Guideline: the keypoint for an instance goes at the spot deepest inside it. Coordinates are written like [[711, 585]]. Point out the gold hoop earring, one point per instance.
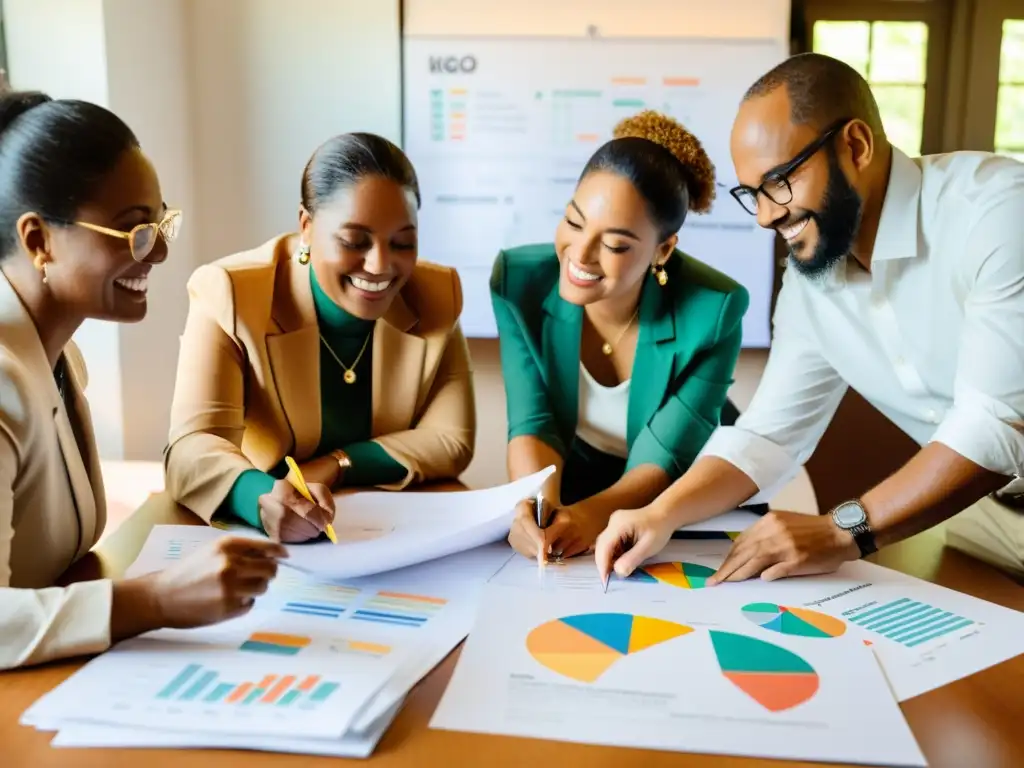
[[658, 270], [303, 254]]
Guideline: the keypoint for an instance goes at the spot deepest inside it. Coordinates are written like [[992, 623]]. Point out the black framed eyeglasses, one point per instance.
[[775, 185]]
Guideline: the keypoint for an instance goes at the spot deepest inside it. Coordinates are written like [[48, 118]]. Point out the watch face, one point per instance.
[[849, 515]]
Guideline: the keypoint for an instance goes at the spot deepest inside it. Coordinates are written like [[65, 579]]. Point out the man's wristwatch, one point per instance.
[[344, 464], [851, 516]]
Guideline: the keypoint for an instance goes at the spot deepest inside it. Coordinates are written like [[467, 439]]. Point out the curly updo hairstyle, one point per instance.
[[665, 162]]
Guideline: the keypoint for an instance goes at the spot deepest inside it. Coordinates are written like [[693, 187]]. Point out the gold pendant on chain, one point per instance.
[[349, 377], [607, 349]]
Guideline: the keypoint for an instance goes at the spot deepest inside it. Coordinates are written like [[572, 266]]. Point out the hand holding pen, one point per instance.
[[295, 511], [527, 534]]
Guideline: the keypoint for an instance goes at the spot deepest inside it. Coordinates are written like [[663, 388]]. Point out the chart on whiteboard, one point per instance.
[[499, 130]]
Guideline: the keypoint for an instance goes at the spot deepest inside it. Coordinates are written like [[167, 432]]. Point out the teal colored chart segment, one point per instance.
[[739, 653], [697, 574], [639, 575], [612, 629]]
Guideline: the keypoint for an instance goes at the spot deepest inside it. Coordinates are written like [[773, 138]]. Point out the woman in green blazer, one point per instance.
[[616, 348]]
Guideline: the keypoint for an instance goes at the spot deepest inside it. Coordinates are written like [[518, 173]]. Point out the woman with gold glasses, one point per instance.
[[330, 347], [82, 223]]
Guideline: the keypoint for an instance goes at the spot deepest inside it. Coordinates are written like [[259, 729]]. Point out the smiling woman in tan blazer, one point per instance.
[[82, 222], [332, 346]]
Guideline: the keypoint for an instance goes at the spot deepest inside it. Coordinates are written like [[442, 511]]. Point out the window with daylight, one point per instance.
[[1009, 134], [891, 56]]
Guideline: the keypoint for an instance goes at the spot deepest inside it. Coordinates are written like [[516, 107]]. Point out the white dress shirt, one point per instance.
[[603, 414], [933, 336]]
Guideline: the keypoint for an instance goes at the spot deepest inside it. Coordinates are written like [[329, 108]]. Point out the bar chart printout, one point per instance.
[[399, 609], [304, 595], [908, 622], [195, 683]]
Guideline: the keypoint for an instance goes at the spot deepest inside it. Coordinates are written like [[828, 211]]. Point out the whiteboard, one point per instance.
[[500, 128]]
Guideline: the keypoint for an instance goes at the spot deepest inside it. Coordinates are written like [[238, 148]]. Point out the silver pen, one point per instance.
[[538, 508]]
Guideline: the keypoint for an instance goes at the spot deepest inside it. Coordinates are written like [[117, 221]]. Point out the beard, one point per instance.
[[837, 223]]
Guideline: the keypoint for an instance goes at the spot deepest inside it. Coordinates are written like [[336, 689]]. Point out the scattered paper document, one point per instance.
[[410, 527], [408, 620], [151, 682], [445, 592], [421, 526], [925, 636], [613, 670]]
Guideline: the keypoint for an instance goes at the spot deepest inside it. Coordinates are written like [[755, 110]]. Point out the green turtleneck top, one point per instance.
[[345, 413]]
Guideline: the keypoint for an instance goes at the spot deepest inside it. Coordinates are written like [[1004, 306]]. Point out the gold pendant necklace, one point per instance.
[[349, 377], [608, 347]]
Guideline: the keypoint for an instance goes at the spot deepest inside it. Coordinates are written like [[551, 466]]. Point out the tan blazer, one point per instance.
[[248, 384], [52, 507]]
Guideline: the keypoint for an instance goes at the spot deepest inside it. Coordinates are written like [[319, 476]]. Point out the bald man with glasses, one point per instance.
[[907, 285]]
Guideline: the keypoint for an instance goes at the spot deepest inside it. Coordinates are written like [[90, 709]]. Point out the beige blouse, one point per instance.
[[52, 507]]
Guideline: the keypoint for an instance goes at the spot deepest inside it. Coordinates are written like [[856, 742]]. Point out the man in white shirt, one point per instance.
[[906, 284]]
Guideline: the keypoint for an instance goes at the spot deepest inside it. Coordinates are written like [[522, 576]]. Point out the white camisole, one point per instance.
[[602, 415]]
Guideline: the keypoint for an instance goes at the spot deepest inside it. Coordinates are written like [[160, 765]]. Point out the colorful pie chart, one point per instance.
[[584, 647], [682, 575], [793, 621]]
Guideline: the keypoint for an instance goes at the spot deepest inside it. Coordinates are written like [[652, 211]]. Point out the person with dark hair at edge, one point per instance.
[[332, 344], [907, 285], [616, 348], [82, 223]]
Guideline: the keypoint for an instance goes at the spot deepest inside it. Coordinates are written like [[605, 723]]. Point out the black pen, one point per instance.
[[538, 508]]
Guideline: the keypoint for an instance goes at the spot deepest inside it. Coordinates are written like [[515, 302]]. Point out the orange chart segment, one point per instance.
[[583, 667], [774, 677], [682, 575], [668, 573], [558, 637], [776, 691], [830, 625], [802, 622]]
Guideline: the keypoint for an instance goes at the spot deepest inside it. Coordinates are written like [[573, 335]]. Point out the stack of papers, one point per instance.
[[322, 662]]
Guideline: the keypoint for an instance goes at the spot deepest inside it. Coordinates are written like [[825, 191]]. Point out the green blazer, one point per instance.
[[690, 335]]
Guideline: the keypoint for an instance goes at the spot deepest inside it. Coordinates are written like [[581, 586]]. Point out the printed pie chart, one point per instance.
[[584, 647], [774, 677], [793, 621], [681, 575]]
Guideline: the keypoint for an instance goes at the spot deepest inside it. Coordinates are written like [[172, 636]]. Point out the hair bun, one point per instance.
[[684, 146], [14, 104]]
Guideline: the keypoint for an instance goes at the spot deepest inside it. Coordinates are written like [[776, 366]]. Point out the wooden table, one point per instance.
[[976, 722]]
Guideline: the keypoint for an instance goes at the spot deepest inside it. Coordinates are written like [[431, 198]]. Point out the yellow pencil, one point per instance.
[[301, 487]]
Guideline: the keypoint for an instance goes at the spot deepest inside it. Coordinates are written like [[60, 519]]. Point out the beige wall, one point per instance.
[[59, 47], [149, 86], [611, 18], [275, 79]]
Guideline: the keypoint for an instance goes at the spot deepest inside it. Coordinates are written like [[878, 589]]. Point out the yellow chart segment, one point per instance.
[[648, 632], [668, 573]]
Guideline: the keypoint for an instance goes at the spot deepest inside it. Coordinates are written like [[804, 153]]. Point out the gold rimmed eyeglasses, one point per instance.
[[142, 238]]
